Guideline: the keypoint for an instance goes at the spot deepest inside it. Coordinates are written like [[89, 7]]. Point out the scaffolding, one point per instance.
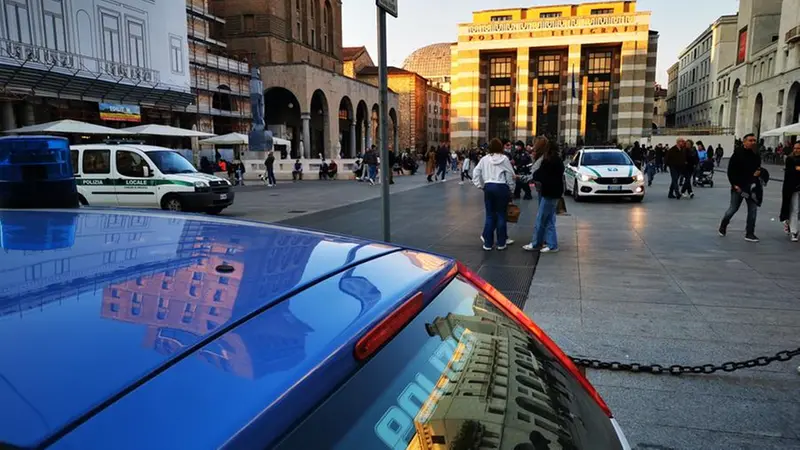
[[220, 81]]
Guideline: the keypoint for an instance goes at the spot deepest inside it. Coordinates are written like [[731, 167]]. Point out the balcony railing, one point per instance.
[[33, 55], [793, 35]]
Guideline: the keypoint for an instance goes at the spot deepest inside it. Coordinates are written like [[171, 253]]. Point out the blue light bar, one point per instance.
[[36, 172]]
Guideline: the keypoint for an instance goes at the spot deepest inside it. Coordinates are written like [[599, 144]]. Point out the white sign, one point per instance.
[[390, 6]]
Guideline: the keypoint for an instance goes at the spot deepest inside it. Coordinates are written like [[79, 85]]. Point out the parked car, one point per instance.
[[145, 176], [127, 330], [603, 172]]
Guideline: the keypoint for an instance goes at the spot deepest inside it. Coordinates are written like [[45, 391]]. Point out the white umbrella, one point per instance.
[[165, 130], [791, 130], [227, 139], [67, 126], [279, 141]]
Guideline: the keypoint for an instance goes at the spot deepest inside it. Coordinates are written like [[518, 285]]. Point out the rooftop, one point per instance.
[[430, 61], [351, 53]]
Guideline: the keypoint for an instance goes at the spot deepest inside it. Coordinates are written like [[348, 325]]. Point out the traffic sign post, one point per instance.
[[384, 7]]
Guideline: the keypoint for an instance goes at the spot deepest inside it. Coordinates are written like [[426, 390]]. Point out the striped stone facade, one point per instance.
[[570, 35]]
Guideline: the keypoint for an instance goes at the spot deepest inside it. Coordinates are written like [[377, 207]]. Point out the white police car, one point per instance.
[[145, 176], [603, 172]]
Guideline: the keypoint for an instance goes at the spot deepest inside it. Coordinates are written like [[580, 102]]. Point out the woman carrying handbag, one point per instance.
[[495, 175], [550, 178]]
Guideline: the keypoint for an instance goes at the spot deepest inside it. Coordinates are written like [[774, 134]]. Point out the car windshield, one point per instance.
[[605, 159], [171, 162], [462, 375]]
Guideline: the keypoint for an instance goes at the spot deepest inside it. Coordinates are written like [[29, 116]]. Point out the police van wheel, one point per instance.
[[172, 203], [575, 193]]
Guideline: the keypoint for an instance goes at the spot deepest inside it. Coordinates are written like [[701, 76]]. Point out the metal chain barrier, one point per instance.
[[677, 369]]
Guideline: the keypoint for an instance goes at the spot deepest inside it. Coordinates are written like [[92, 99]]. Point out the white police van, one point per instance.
[[145, 176]]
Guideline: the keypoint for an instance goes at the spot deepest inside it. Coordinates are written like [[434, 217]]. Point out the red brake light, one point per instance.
[[509, 308], [388, 327]]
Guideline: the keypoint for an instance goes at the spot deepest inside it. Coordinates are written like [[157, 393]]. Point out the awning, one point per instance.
[[67, 126], [790, 130], [165, 130], [227, 139]]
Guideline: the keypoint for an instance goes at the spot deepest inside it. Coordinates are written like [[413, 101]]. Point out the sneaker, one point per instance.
[[460, 183], [508, 242], [751, 238], [691, 195], [372, 182], [547, 249], [795, 237], [487, 249], [529, 247], [723, 231], [786, 227]]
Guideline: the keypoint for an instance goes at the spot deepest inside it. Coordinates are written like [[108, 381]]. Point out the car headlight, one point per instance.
[[585, 177], [200, 184], [639, 177]]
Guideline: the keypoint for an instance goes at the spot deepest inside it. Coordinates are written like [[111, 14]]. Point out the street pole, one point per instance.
[[383, 81]]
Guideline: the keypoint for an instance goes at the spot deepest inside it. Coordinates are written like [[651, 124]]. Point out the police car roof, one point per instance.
[[601, 149], [141, 147], [108, 308]]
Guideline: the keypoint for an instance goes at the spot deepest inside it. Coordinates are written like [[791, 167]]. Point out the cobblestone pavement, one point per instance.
[[650, 283], [654, 283]]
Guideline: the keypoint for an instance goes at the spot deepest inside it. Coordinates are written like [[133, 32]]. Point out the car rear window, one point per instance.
[[461, 375]]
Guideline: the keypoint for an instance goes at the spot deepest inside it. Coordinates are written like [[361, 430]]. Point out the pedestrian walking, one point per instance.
[[689, 168], [466, 172], [269, 163], [430, 164], [718, 154], [790, 202], [522, 166], [442, 162], [676, 161], [495, 176], [744, 169], [550, 179]]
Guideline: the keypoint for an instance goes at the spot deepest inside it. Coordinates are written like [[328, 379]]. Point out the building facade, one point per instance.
[[309, 101], [659, 107], [672, 94], [760, 89], [423, 109], [699, 64], [64, 59], [576, 73]]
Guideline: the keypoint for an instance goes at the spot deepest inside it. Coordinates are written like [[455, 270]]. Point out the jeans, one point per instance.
[[675, 174], [736, 203], [495, 199], [442, 170], [794, 215], [688, 178], [271, 176], [373, 172], [545, 230]]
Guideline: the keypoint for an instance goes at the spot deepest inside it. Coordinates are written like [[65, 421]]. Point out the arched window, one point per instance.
[[328, 24], [313, 11]]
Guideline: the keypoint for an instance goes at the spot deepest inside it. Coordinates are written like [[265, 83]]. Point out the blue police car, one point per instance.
[[123, 330]]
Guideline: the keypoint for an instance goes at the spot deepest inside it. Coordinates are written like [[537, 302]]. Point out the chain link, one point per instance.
[[678, 369]]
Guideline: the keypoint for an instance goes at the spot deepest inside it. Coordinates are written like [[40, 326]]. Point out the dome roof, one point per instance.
[[430, 61]]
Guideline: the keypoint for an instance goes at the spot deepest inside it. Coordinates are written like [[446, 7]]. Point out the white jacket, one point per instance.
[[494, 168]]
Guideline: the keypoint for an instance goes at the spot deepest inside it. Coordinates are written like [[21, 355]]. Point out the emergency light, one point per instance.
[[36, 172]]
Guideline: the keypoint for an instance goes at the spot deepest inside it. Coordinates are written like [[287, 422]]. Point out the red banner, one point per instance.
[[741, 54]]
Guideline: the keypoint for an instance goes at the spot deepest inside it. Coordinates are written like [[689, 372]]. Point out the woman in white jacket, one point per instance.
[[495, 175]]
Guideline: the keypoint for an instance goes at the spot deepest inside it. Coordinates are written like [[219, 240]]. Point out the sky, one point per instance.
[[424, 22]]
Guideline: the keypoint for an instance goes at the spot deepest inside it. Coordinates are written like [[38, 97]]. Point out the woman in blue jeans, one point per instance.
[[495, 175], [550, 177]]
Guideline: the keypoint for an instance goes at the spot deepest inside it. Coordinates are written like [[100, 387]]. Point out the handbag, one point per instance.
[[512, 213]]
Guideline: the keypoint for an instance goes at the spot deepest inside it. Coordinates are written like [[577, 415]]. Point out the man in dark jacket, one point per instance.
[[637, 155], [442, 159], [744, 169], [692, 161], [676, 161]]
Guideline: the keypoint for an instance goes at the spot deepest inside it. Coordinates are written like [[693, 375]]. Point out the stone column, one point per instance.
[[521, 125], [574, 117], [30, 114], [7, 113], [368, 133], [306, 118], [394, 139], [352, 138], [632, 89]]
